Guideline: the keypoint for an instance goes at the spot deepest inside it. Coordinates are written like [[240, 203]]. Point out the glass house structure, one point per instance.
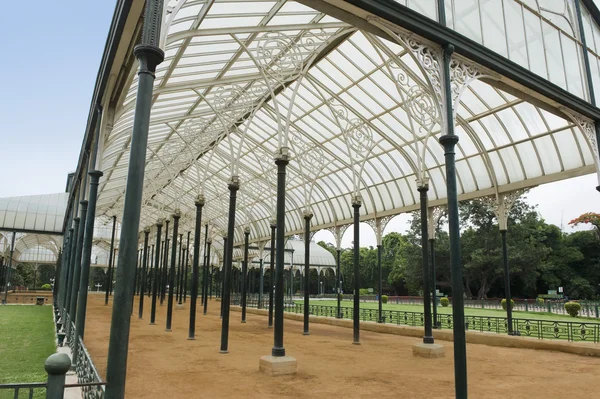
[[256, 120]]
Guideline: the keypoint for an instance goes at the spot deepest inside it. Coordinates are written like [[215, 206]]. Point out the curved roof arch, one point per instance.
[[233, 81]]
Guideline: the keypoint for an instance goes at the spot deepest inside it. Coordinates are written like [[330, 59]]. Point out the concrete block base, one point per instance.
[[281, 365], [429, 350], [179, 307]]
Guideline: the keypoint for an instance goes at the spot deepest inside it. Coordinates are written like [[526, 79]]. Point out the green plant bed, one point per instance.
[[468, 311], [27, 340]]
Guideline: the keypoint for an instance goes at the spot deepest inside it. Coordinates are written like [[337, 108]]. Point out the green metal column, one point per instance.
[[110, 261], [63, 269], [77, 263], [338, 277], [204, 266], [261, 283], [156, 272], [233, 187], [509, 319], [281, 162], [144, 268], [194, 294], [208, 284], [163, 281], [433, 280], [57, 270], [423, 188], [88, 238], [223, 269], [307, 217], [176, 217], [9, 268], [179, 276], [187, 266], [379, 284], [112, 273], [68, 273], [135, 277], [449, 141], [356, 204], [72, 265], [272, 277], [149, 56], [245, 273]]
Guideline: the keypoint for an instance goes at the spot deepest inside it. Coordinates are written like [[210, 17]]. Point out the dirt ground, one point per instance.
[[167, 365]]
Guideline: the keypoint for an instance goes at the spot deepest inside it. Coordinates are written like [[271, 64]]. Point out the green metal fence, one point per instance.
[[542, 329]]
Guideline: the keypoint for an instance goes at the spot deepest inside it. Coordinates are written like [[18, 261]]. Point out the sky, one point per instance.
[[51, 58]]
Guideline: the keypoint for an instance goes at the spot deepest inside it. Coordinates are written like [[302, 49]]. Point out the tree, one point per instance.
[[45, 273], [482, 250], [23, 275], [591, 218]]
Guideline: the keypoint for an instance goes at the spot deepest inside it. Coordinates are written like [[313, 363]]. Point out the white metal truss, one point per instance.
[[359, 115]]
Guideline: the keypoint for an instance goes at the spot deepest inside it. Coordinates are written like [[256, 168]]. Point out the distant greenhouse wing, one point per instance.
[[42, 214]]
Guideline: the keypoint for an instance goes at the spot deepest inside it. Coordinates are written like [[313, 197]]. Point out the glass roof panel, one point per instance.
[[221, 107]]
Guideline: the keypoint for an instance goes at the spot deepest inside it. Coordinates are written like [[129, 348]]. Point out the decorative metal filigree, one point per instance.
[[501, 205], [588, 129], [378, 225], [199, 134], [283, 57], [357, 133], [338, 233], [309, 156], [233, 102], [462, 73], [434, 216]]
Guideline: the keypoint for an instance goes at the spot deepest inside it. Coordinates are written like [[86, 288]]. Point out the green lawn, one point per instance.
[[26, 340], [468, 311]]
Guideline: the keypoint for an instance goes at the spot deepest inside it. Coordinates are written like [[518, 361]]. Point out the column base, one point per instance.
[[223, 352], [179, 306], [244, 321], [191, 339], [514, 334], [306, 333], [277, 365], [429, 350], [355, 343], [168, 330]]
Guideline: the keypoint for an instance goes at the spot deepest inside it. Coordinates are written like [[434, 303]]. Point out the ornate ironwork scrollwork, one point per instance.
[[283, 57]]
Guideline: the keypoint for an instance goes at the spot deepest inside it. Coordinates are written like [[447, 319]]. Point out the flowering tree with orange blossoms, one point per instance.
[[589, 217]]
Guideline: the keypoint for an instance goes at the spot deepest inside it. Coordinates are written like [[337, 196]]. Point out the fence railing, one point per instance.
[[92, 386], [542, 329], [88, 378], [24, 390]]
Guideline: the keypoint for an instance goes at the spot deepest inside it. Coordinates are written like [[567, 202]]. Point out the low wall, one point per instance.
[[29, 297], [473, 337]]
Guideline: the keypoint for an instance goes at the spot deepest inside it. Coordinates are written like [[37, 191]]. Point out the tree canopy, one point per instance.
[[541, 256]]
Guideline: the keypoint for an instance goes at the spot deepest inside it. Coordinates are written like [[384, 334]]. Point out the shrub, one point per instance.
[[364, 291], [573, 308], [540, 301], [512, 304], [444, 302], [46, 287], [384, 299]]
